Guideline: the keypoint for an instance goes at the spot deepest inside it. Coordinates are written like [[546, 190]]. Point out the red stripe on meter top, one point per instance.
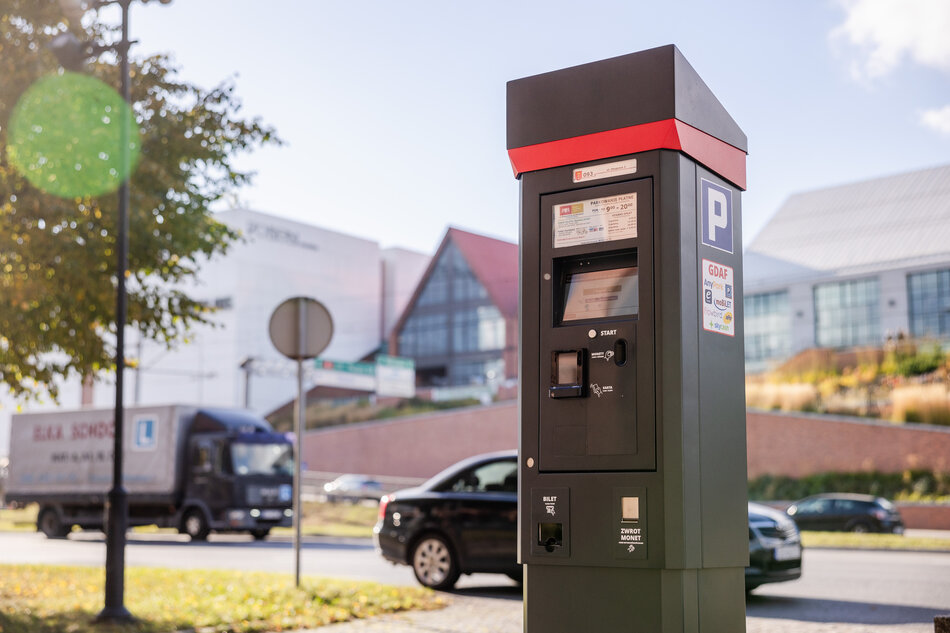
[[726, 160]]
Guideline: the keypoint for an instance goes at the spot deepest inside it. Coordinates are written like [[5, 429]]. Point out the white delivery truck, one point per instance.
[[195, 469]]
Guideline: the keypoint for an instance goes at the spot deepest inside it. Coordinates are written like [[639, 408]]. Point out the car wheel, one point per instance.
[[861, 527], [50, 524], [434, 564], [261, 534], [195, 525]]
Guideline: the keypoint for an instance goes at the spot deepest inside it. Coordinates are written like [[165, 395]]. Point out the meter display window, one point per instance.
[[601, 293]]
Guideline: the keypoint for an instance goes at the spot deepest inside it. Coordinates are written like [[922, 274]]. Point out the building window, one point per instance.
[[425, 335], [768, 326], [478, 372], [478, 329], [847, 313], [929, 297]]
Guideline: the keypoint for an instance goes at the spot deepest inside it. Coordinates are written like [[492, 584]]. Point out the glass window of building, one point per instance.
[[454, 331], [768, 326], [847, 313], [478, 329], [928, 294], [425, 335]]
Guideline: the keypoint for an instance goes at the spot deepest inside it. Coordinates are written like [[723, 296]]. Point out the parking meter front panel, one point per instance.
[[596, 330]]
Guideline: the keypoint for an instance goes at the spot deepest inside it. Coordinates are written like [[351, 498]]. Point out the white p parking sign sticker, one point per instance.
[[716, 204]]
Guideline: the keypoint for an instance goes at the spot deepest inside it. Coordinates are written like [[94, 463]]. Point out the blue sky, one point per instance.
[[394, 113]]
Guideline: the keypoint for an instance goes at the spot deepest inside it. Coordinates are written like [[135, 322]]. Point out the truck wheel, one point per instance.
[[260, 534], [195, 525], [50, 524]]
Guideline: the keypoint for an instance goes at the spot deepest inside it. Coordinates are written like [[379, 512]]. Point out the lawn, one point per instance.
[[319, 519], [850, 540], [56, 599]]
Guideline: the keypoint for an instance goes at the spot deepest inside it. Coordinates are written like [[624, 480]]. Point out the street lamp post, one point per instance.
[[117, 520]]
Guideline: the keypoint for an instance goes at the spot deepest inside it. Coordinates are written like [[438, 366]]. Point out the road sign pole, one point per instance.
[[298, 430]]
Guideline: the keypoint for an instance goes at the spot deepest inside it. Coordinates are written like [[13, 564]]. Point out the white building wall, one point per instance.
[[277, 260]]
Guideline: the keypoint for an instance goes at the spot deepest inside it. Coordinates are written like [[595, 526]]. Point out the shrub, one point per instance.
[[910, 484], [783, 397], [929, 404]]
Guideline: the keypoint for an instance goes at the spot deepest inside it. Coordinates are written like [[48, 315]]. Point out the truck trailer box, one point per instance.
[[68, 454]]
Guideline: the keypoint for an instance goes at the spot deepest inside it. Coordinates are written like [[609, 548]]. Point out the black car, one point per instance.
[[465, 520], [847, 512], [775, 547]]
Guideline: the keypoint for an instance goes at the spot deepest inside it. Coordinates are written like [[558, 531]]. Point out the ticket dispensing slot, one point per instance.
[[568, 374]]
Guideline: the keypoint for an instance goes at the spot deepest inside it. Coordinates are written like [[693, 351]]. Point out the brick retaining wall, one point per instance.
[[778, 443], [799, 444]]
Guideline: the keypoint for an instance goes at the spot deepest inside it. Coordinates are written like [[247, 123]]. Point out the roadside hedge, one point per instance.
[[910, 485]]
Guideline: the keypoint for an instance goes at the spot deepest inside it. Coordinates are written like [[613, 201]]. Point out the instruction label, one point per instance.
[[718, 298], [595, 220]]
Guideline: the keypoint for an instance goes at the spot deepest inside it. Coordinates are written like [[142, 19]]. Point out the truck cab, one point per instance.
[[238, 476]]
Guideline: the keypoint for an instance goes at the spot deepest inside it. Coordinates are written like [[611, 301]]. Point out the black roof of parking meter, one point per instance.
[[632, 501]]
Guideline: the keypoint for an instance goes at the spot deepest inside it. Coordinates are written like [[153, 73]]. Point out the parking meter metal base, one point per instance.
[[632, 500]]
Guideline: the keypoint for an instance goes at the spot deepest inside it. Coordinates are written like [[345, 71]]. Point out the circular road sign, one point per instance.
[[296, 316]]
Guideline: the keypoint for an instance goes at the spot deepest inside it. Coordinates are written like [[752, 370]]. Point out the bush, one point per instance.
[[783, 397], [909, 485], [928, 404]]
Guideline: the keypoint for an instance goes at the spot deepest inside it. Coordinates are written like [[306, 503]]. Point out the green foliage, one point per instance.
[[922, 362], [908, 485], [415, 406], [48, 599], [58, 255]]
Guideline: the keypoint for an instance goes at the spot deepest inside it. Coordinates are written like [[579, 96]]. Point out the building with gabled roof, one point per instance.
[[461, 324], [850, 266]]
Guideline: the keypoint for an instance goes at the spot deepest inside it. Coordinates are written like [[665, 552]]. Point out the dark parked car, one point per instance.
[[775, 547], [848, 512], [465, 520]]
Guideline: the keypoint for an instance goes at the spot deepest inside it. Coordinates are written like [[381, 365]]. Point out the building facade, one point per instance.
[[232, 362], [850, 266], [461, 324]]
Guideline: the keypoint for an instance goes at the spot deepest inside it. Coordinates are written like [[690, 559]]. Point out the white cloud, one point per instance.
[[937, 119], [888, 31]]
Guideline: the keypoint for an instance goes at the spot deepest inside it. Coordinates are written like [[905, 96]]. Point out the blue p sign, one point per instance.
[[716, 204]]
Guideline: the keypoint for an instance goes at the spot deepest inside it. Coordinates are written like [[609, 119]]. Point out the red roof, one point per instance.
[[494, 263]]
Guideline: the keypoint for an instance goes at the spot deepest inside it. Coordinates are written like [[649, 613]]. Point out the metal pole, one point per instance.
[[118, 503], [298, 430]]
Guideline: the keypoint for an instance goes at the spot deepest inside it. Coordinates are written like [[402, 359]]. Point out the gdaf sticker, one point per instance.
[[718, 304]]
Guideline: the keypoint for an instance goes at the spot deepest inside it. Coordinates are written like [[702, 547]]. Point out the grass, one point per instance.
[[23, 520], [319, 519], [56, 599], [850, 540]]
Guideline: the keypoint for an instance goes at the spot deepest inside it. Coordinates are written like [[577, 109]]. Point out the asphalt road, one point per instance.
[[840, 591]]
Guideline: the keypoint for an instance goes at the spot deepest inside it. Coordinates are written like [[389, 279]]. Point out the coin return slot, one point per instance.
[[550, 536], [630, 509]]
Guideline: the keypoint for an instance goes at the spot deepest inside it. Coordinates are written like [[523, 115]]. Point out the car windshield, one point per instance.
[[262, 459]]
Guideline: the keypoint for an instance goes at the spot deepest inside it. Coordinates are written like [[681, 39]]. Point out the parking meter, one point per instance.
[[632, 499]]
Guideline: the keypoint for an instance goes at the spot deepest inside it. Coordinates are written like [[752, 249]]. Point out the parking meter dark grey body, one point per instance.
[[632, 499]]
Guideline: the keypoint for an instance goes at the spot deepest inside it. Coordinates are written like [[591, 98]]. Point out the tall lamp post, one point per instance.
[[72, 54]]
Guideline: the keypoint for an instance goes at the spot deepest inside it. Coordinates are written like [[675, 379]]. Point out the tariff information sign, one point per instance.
[[596, 220], [719, 312]]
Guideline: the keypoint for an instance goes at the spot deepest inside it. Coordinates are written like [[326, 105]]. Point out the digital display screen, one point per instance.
[[601, 293]]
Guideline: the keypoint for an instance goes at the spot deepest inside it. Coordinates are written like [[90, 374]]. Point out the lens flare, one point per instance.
[[66, 136]]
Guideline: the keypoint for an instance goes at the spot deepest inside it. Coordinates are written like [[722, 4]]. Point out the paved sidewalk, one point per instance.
[[465, 614], [472, 614]]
